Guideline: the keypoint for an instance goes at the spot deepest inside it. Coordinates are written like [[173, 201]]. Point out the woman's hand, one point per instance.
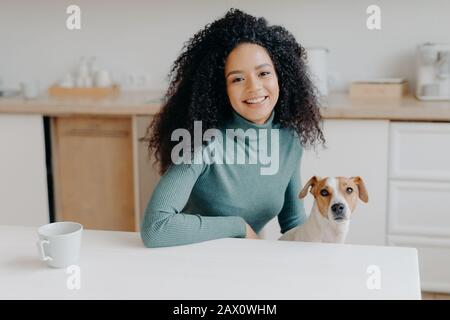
[[250, 234]]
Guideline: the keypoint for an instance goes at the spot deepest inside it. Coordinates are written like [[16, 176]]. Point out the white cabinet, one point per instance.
[[419, 208], [23, 175], [354, 148], [419, 189], [420, 151]]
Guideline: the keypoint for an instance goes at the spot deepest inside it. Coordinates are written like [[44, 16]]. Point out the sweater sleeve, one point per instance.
[[293, 212], [165, 225]]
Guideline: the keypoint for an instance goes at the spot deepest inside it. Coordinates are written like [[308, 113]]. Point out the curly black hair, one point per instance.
[[197, 90]]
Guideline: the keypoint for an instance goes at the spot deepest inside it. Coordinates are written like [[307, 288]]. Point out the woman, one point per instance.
[[236, 73]]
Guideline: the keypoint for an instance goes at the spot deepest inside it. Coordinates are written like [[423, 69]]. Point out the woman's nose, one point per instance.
[[254, 83]]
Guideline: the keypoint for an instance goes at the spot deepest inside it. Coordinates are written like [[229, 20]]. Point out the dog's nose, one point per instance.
[[338, 208]]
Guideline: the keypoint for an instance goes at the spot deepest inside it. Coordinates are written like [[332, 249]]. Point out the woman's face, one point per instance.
[[252, 84]]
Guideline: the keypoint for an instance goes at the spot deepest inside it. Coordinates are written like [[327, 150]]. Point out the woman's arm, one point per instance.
[[165, 225], [293, 212]]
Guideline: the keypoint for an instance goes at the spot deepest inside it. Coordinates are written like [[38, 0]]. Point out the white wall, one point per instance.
[[146, 36]]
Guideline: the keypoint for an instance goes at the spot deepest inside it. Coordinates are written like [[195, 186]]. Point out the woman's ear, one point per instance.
[[311, 182], [362, 191]]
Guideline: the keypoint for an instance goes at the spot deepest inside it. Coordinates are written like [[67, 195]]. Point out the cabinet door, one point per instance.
[[354, 148], [419, 208], [420, 151], [23, 175], [94, 172]]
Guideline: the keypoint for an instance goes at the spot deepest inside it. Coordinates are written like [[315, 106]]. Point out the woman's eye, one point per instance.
[[324, 193], [349, 190], [236, 80], [264, 73]]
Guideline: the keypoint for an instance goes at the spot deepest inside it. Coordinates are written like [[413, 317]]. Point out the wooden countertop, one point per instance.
[[335, 106], [126, 103], [340, 106]]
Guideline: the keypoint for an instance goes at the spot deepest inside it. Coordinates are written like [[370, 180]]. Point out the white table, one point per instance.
[[116, 265]]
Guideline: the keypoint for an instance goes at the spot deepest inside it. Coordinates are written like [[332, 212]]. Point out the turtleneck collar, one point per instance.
[[238, 121]]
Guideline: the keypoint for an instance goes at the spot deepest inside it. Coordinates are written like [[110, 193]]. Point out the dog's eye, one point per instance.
[[349, 190], [324, 192]]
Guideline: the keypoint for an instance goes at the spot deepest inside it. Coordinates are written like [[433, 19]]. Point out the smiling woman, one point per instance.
[[237, 73]]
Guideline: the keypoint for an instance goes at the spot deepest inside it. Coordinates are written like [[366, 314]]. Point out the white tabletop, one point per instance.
[[116, 265]]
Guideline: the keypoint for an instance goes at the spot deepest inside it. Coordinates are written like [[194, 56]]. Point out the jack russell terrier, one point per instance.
[[335, 200]]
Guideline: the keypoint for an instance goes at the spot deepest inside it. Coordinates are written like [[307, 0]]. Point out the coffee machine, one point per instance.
[[433, 72]]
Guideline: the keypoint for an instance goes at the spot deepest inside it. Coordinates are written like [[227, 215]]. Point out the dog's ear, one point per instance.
[[363, 195], [311, 182]]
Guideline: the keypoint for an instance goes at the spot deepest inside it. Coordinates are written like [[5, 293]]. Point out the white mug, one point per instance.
[[30, 89], [59, 243], [67, 82], [102, 79]]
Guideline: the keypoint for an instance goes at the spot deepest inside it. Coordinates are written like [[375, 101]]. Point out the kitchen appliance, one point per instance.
[[318, 67], [433, 71]]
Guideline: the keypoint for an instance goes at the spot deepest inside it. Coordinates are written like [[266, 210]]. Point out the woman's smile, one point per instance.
[[257, 102]]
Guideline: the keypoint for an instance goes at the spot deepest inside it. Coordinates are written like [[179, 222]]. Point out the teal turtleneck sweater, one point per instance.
[[199, 202]]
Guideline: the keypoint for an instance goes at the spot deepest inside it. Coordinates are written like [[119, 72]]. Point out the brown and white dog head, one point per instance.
[[336, 197]]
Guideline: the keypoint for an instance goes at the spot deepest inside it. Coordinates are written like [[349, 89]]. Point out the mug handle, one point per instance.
[[41, 250]]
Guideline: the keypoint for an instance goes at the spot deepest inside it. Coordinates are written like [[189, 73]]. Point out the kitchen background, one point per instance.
[[402, 153], [144, 37]]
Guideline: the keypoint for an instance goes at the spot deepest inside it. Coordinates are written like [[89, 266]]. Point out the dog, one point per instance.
[[335, 200]]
